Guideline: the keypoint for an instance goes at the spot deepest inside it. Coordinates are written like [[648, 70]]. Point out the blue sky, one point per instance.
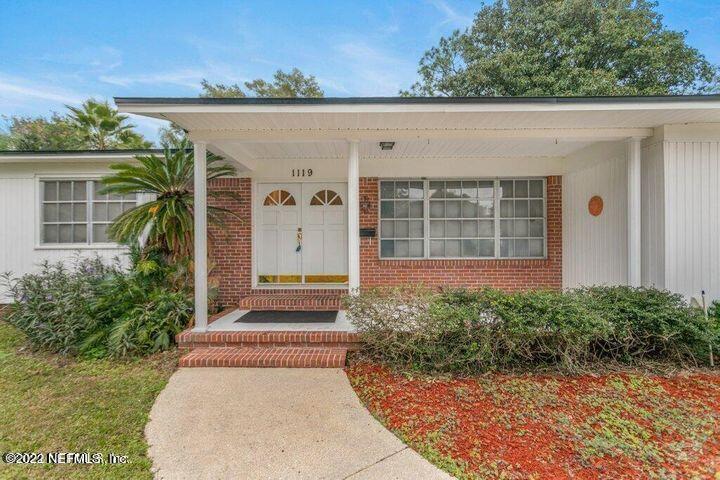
[[61, 52]]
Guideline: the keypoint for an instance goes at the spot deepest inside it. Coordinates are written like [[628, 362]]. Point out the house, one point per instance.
[[336, 194]]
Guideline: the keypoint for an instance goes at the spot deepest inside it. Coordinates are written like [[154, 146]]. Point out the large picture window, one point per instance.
[[73, 212], [466, 218]]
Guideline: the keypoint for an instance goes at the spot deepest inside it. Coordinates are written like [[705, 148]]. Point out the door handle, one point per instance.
[[299, 240]]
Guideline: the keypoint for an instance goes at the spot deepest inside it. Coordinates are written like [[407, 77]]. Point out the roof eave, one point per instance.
[[164, 105]]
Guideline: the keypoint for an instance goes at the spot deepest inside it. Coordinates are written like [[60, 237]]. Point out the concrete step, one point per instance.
[[285, 301], [272, 357], [189, 340]]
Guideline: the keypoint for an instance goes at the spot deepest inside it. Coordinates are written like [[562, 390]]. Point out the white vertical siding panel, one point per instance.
[[692, 190], [18, 223], [595, 248], [671, 238], [713, 215], [653, 207]]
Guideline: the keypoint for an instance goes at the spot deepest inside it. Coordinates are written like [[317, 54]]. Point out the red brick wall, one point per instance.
[[231, 250], [506, 274], [231, 245]]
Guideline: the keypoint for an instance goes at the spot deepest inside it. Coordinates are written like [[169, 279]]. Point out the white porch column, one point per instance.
[[634, 212], [353, 216], [200, 235]]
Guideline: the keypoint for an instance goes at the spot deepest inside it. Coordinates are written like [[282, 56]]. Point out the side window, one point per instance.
[[73, 212]]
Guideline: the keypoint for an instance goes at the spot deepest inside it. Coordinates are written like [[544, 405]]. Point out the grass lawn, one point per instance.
[[614, 426], [50, 403]]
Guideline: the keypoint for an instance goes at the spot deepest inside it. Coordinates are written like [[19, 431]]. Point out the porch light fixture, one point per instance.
[[386, 145]]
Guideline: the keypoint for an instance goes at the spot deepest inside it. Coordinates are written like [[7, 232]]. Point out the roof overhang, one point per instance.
[[74, 156], [242, 128], [425, 114]]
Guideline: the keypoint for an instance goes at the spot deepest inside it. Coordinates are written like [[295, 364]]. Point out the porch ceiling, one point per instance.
[[418, 148], [448, 120]]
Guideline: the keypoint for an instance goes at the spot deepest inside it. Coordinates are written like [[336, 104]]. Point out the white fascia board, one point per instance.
[[165, 108], [64, 158]]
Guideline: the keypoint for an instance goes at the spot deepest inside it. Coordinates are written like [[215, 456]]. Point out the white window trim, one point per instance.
[[426, 217], [81, 177]]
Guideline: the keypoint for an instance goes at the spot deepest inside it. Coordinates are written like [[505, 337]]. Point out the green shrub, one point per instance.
[[97, 310], [539, 327], [649, 323], [714, 310], [470, 331], [135, 315], [52, 306], [388, 318]]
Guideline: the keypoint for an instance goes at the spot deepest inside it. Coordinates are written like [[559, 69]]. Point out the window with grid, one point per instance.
[[522, 218], [467, 218], [73, 212], [462, 218], [402, 219]]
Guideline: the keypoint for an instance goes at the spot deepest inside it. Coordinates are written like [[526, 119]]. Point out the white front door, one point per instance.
[[325, 230], [279, 260], [302, 233]]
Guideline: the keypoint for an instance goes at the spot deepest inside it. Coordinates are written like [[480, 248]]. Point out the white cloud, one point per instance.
[[452, 17], [185, 78], [17, 91], [370, 71], [333, 85], [102, 58], [21, 96]]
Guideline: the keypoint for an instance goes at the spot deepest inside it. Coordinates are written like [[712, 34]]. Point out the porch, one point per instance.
[[229, 341], [342, 194]]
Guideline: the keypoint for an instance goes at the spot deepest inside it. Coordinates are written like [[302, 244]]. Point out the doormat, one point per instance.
[[295, 316]]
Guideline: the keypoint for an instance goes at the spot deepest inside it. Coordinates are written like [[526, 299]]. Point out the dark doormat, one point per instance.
[[299, 316]]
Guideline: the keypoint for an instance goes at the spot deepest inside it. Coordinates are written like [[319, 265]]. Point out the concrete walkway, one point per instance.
[[230, 423]]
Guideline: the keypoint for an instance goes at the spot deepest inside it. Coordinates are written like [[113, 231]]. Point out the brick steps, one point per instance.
[[254, 357], [285, 302], [189, 340]]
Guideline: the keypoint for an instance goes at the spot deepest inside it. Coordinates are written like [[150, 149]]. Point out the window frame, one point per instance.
[[90, 179], [496, 217]]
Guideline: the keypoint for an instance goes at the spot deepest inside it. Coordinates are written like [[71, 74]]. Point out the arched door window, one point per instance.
[[326, 197], [279, 197]]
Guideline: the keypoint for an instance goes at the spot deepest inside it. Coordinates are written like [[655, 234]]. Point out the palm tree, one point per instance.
[[166, 221], [103, 127]]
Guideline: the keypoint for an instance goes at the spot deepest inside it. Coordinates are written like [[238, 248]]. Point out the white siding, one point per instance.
[[692, 217], [595, 248], [653, 215], [18, 219]]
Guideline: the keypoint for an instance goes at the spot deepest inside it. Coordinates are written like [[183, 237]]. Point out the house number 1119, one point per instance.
[[302, 172]]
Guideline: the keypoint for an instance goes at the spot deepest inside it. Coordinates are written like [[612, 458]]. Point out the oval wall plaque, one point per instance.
[[595, 205]]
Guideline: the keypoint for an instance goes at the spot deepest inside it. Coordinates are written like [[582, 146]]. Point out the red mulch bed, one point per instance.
[[614, 426]]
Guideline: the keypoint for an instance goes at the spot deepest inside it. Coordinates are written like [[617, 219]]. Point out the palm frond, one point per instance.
[[168, 219]]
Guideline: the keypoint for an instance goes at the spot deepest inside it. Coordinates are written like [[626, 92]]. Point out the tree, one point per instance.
[[5, 141], [284, 85], [168, 220], [38, 133], [220, 90], [171, 136], [102, 127], [565, 47]]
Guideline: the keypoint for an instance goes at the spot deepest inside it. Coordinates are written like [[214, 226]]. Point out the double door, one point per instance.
[[302, 233]]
